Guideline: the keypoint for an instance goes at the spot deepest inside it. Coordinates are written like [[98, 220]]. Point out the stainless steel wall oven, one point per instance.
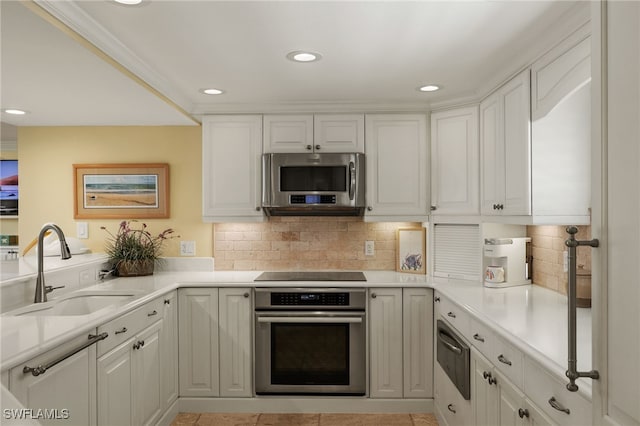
[[310, 341]]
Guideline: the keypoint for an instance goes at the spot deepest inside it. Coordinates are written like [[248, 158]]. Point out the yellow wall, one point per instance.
[[46, 157]]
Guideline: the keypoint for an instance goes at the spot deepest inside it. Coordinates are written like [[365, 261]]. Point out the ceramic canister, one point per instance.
[[494, 274]]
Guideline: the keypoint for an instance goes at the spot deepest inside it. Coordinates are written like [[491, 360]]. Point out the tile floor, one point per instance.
[[299, 419]]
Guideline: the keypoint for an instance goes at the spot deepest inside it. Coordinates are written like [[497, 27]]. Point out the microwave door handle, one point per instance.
[[352, 180]]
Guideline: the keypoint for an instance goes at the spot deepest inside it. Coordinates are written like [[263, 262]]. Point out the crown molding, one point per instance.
[[308, 107]]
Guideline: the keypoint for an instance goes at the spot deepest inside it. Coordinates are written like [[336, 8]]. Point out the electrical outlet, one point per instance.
[[369, 248], [187, 248]]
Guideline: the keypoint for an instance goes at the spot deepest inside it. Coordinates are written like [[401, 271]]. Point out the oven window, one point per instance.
[[316, 354], [316, 178]]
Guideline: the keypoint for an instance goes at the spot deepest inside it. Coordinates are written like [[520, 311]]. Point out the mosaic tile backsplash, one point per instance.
[[305, 243]]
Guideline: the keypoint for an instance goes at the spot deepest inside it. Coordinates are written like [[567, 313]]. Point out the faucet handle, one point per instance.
[[49, 289]]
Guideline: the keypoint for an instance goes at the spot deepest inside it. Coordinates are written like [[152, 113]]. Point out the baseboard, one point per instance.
[[170, 414], [277, 404]]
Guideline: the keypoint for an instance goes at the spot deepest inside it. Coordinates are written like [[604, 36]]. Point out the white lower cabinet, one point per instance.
[[215, 342], [451, 407], [67, 389], [169, 349], [497, 401], [129, 381], [235, 312], [401, 343]]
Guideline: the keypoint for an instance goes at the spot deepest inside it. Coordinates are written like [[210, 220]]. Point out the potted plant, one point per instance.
[[133, 250]]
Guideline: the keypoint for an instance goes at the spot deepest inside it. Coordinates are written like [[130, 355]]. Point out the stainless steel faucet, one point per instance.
[[41, 289]]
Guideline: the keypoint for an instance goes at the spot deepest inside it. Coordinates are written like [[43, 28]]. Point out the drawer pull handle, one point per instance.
[[503, 359], [478, 338], [122, 330], [41, 369], [555, 404], [523, 412], [451, 315], [153, 313], [450, 408]]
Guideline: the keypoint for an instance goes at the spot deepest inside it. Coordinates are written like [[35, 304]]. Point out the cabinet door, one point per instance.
[[169, 349], [455, 162], [69, 385], [417, 331], [147, 395], [516, 109], [536, 416], [198, 337], [492, 155], [338, 133], [510, 402], [288, 133], [484, 394], [231, 168], [115, 393], [397, 160], [235, 342], [385, 320]]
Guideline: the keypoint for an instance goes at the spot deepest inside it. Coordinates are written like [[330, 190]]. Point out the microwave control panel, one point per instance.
[[312, 199]]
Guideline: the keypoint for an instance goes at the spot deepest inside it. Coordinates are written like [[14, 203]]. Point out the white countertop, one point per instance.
[[532, 318]]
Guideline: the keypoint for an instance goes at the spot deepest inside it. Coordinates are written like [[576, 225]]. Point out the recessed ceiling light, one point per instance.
[[14, 111], [129, 2], [429, 88], [303, 56], [212, 91]]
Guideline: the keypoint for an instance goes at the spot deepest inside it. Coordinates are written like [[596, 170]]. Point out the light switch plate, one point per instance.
[[187, 248], [82, 230]]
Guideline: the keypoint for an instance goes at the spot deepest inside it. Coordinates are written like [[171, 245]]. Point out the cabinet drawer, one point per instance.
[[483, 339], [126, 326], [540, 387], [450, 403], [508, 360], [456, 316]]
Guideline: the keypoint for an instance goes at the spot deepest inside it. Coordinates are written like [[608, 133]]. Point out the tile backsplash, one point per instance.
[[305, 243], [547, 243]]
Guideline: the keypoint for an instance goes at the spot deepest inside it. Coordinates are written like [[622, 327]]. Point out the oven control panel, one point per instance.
[[316, 299]]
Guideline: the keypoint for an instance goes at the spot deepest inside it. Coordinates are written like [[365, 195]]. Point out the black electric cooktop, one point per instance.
[[311, 276]]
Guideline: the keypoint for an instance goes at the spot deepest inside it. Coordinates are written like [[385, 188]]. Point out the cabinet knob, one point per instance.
[[492, 380], [258, 208], [486, 375], [523, 412], [369, 208], [373, 295], [434, 208], [317, 147], [450, 408], [436, 299], [309, 147], [167, 301], [246, 295]]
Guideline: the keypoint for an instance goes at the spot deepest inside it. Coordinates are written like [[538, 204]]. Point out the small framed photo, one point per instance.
[[121, 191], [411, 254]]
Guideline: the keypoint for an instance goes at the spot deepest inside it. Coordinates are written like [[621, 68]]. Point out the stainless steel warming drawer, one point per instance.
[[454, 357]]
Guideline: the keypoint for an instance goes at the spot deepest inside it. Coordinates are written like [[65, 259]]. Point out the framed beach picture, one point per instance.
[[9, 188], [121, 191], [411, 253]]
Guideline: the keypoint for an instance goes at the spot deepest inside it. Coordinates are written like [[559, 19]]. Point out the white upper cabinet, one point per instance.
[[338, 133], [455, 162], [288, 133], [505, 140], [231, 168], [314, 133], [397, 167]]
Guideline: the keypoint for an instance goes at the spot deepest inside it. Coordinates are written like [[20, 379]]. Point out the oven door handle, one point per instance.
[[312, 320]]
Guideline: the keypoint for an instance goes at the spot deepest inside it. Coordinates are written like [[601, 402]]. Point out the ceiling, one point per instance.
[[160, 54]]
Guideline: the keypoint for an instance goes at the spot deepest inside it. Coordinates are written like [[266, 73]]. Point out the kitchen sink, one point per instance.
[[75, 304]]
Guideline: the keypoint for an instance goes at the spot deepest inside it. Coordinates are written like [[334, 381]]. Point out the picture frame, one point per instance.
[[411, 256], [121, 191]]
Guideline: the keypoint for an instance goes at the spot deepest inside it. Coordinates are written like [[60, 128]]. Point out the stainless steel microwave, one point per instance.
[[302, 184]]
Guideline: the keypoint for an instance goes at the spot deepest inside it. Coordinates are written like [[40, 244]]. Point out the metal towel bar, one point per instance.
[[572, 370], [41, 369]]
